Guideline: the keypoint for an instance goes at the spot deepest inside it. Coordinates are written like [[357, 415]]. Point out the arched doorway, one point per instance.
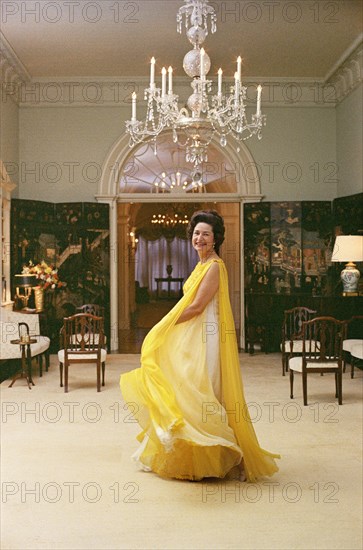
[[128, 181]]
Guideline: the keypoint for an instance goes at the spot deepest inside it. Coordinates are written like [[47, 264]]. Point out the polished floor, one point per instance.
[[68, 481]]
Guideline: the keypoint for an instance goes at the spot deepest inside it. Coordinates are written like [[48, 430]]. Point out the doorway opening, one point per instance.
[[155, 259]]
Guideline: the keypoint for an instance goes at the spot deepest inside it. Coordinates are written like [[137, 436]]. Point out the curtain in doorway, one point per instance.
[[152, 257]]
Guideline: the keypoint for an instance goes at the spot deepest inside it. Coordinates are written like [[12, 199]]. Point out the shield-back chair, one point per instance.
[[82, 339]]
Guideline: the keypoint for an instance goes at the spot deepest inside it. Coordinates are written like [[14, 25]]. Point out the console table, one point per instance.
[[160, 280]]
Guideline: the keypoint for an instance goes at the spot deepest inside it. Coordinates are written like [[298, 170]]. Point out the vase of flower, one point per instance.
[[39, 298], [169, 270]]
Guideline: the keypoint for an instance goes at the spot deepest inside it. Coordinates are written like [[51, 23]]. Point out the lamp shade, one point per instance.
[[348, 248], [26, 279]]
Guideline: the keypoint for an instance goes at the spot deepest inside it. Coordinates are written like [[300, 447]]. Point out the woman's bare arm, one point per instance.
[[207, 289]]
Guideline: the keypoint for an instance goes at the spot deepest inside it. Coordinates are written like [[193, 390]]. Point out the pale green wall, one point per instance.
[[297, 154], [9, 135], [62, 151], [300, 140], [349, 143]]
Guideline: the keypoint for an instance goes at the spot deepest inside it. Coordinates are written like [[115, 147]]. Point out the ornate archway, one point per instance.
[[247, 189], [241, 163]]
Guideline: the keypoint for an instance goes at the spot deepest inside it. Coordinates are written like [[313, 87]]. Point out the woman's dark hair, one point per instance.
[[212, 218]]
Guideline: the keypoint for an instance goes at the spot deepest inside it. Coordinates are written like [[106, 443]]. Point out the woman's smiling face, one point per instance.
[[203, 238]]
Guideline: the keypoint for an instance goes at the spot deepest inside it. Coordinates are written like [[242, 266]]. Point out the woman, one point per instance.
[[188, 395]]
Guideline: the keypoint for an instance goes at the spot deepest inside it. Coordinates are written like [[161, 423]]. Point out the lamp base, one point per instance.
[[350, 276]]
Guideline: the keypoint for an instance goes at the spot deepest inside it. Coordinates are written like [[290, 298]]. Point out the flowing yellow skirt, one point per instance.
[[189, 433]]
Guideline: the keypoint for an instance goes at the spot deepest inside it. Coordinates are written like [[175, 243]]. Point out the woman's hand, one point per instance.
[[207, 289]]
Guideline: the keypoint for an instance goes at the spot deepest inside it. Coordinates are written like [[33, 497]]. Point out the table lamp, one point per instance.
[[25, 282], [349, 248]]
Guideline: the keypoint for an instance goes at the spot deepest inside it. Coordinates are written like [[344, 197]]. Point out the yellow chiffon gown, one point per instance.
[[188, 396]]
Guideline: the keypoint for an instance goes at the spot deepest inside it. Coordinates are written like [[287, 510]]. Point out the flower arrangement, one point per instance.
[[47, 275]]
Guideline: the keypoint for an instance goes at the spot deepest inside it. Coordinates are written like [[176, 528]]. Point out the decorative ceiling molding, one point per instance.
[[348, 75], [13, 74], [116, 92], [341, 80]]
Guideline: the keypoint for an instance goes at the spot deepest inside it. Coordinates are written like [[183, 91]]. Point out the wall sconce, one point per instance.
[[134, 240], [24, 282], [349, 248]]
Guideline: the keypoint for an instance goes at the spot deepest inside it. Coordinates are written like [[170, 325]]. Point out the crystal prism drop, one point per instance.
[[223, 140]]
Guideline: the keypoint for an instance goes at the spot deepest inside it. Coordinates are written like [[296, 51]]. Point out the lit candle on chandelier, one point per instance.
[[133, 114], [163, 82], [236, 86], [220, 72], [202, 75], [259, 90], [170, 73], [239, 68], [152, 72]]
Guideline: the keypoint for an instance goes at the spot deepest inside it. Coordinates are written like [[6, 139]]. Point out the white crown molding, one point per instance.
[[116, 92], [13, 74], [346, 74], [340, 81]]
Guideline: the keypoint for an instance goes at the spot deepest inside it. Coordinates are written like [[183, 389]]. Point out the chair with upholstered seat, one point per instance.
[[82, 339], [354, 339], [322, 350], [291, 340]]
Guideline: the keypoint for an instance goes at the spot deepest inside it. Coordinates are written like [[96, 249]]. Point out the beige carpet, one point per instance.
[[68, 481]]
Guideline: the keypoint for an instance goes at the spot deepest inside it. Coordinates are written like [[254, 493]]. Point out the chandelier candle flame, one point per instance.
[[207, 115]]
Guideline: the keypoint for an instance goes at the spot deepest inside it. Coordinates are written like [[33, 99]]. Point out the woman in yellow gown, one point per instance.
[[188, 394]]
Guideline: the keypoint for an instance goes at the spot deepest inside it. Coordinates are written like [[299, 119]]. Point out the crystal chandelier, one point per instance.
[[179, 183], [170, 216], [169, 219], [207, 115]]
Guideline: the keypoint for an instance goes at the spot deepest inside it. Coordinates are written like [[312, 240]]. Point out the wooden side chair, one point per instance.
[[353, 340], [291, 338], [95, 309], [322, 351], [82, 341]]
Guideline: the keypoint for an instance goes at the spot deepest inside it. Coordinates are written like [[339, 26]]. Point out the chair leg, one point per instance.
[[339, 387], [66, 378], [40, 359], [47, 360], [352, 367], [291, 384], [61, 374], [283, 365], [103, 373], [305, 387], [98, 376]]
